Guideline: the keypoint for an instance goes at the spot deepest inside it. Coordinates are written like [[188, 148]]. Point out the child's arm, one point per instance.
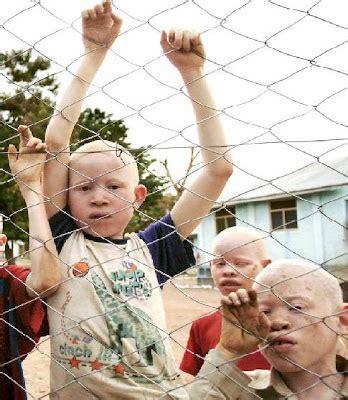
[[27, 167], [100, 29], [195, 202]]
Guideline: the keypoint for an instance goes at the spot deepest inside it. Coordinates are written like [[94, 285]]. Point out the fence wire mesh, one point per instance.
[[279, 75]]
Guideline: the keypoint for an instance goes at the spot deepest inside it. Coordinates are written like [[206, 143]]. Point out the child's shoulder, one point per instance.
[[207, 320], [9, 272]]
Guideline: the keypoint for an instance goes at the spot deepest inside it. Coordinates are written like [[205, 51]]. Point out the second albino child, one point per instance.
[[107, 322], [239, 254]]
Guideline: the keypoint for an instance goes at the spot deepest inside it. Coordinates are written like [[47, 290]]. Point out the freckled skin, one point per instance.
[[297, 310]]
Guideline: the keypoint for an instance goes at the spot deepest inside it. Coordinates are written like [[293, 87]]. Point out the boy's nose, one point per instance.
[[279, 324], [99, 197], [229, 271]]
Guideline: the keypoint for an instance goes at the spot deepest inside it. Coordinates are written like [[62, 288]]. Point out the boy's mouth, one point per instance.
[[226, 283], [281, 343], [96, 216]]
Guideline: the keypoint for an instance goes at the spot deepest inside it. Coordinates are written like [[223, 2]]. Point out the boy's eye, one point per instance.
[[84, 188], [296, 308], [241, 264], [113, 187], [220, 264]]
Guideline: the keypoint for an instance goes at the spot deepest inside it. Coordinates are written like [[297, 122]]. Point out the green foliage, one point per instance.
[[29, 99]]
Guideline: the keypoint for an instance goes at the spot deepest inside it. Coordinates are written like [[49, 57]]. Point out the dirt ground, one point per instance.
[[183, 305]]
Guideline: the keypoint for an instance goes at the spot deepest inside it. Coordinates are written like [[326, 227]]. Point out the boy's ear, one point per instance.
[[343, 315], [266, 262], [140, 192]]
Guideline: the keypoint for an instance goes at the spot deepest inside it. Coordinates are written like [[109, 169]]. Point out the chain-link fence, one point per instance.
[[278, 74]]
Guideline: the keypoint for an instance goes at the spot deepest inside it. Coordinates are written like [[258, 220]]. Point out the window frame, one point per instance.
[[230, 212], [285, 225]]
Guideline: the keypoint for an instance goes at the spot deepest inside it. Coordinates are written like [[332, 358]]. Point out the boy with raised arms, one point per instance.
[[107, 319]]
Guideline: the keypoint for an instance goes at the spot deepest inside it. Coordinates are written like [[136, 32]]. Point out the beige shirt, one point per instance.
[[220, 379], [108, 332]]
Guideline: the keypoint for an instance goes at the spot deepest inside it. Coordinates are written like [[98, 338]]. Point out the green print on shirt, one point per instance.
[[127, 322], [131, 283]]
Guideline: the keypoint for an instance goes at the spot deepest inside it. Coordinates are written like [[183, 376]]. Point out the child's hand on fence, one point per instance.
[[100, 26], [243, 326], [27, 164], [184, 49]]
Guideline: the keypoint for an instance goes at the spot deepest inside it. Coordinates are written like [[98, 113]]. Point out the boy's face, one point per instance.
[[296, 309], [103, 193], [235, 269]]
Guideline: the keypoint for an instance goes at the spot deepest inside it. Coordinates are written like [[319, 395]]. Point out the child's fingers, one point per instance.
[[84, 14], [186, 41], [265, 325], [91, 14], [235, 299], [33, 141], [41, 147], [25, 135], [178, 37], [21, 128], [12, 155], [106, 6], [98, 9], [243, 296], [171, 36], [195, 38], [164, 42], [253, 298]]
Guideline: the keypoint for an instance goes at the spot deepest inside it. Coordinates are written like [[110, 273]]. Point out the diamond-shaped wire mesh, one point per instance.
[[279, 75]]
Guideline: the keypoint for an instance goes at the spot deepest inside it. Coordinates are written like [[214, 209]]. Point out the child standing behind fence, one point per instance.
[[23, 314], [107, 319], [239, 254]]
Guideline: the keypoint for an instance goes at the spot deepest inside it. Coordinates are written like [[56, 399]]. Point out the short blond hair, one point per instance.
[[109, 149]]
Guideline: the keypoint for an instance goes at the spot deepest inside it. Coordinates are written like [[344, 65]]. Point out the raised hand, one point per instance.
[[243, 326], [100, 26], [27, 164], [184, 49]]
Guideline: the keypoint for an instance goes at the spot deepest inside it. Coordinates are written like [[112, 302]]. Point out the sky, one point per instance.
[[277, 69]]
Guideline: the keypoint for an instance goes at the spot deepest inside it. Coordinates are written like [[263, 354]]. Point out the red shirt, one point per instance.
[[22, 322], [204, 335]]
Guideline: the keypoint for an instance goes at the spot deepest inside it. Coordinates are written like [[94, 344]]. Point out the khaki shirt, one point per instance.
[[220, 379]]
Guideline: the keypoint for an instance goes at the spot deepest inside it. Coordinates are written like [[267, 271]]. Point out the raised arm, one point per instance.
[[27, 167], [185, 51], [100, 28]]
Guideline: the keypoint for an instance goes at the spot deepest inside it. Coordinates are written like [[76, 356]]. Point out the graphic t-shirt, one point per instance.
[[107, 322]]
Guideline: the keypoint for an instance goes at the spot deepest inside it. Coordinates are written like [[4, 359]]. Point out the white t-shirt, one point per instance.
[[107, 325]]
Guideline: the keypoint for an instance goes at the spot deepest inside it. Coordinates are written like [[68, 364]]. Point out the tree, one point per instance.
[[29, 99]]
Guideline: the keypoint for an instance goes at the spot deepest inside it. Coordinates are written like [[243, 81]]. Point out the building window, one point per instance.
[[225, 218], [283, 214]]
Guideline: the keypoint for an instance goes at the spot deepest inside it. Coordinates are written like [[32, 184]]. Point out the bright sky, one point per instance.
[[266, 93]]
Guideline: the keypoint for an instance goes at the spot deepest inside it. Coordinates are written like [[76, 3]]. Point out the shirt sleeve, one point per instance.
[[170, 254], [193, 358], [220, 379], [30, 317], [62, 226]]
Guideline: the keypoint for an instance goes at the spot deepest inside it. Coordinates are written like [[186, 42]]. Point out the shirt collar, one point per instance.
[[274, 381]]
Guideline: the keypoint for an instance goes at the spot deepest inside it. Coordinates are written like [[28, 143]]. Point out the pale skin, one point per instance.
[[239, 254], [26, 166], [184, 49], [291, 328]]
